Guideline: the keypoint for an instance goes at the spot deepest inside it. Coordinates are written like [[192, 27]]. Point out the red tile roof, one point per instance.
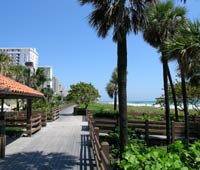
[[9, 87]]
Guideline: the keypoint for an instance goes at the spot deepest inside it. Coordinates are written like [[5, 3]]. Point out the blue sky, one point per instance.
[[60, 32]]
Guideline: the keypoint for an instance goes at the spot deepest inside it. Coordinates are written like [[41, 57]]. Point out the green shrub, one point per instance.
[[106, 113], [114, 141], [79, 111], [190, 156], [139, 156], [14, 131]]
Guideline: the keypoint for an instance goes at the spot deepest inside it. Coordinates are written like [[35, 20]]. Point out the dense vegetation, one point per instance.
[[178, 157], [138, 155]]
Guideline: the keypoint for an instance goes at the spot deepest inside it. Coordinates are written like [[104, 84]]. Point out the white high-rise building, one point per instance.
[[22, 55], [55, 85], [58, 87], [49, 74]]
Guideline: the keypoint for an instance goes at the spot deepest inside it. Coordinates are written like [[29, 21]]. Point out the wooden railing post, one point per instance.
[[2, 146], [96, 131], [105, 148], [173, 131], [2, 131], [29, 116], [147, 131]]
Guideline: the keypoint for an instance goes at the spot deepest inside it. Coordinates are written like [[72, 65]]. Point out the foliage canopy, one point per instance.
[[83, 93]]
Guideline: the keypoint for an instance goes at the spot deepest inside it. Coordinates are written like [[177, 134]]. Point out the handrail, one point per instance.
[[101, 150]]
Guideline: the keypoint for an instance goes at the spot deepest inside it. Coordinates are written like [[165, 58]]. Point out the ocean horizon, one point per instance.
[[146, 103], [136, 103]]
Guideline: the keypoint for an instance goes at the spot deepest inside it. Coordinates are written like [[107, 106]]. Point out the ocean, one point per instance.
[[141, 103], [136, 103], [149, 104]]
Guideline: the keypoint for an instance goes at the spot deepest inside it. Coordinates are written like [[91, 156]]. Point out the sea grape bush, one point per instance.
[[140, 157], [190, 156]]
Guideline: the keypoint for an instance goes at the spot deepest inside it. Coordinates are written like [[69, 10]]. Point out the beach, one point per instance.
[[150, 104]]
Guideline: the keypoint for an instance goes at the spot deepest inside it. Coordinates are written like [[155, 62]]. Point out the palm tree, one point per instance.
[[194, 74], [123, 16], [163, 19], [112, 88], [185, 48], [5, 62], [48, 93], [19, 73], [38, 79]]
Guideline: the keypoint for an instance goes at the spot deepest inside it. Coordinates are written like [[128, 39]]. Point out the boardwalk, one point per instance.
[[62, 145]]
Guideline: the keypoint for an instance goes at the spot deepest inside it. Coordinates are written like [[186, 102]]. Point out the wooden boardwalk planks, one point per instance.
[[62, 145]]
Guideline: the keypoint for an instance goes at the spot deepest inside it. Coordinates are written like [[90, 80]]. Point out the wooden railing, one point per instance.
[[19, 119], [16, 119], [105, 124], [43, 114], [101, 150], [55, 113], [178, 130], [35, 124], [152, 130], [139, 115]]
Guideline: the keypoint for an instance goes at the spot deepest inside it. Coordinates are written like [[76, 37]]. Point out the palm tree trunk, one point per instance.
[[185, 105], [122, 70], [167, 109], [173, 93], [122, 79], [115, 100]]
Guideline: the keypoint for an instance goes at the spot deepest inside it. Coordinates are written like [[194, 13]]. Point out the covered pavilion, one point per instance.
[[10, 89]]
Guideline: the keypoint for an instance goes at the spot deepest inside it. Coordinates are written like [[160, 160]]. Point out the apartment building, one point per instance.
[[22, 55]]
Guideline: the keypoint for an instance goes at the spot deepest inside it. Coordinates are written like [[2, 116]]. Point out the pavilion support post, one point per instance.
[[17, 101], [29, 115], [2, 131]]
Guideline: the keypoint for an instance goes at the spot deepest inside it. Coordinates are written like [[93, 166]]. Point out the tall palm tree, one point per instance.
[[5, 62], [123, 16], [112, 88], [163, 19], [185, 48]]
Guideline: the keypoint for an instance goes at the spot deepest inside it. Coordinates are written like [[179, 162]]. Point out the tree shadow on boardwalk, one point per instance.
[[39, 161], [87, 161]]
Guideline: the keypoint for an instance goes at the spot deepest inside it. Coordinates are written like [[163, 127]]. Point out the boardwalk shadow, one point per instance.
[[63, 114], [87, 161], [10, 139], [39, 161]]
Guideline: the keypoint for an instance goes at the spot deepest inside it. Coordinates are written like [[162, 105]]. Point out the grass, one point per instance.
[[14, 131], [104, 107], [109, 107], [100, 107]]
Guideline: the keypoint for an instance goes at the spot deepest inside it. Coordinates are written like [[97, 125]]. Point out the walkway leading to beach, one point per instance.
[[62, 145]]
